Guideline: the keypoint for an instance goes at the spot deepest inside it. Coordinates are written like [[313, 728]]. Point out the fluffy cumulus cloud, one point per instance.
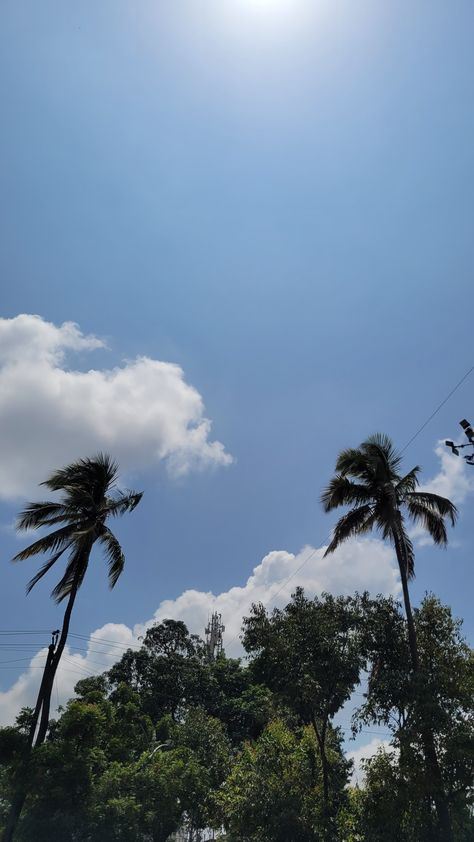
[[358, 565], [143, 411]]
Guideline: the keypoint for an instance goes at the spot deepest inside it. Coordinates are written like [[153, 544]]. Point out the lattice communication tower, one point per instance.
[[214, 632]]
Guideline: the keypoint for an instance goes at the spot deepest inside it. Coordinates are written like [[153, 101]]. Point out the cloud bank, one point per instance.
[[143, 411], [358, 565]]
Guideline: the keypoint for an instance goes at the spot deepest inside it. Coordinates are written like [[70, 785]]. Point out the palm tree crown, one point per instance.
[[88, 499], [368, 479]]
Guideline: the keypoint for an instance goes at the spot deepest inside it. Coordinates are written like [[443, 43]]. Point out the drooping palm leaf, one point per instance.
[[440, 506], [75, 570], [358, 521], [48, 543], [429, 520], [114, 554], [44, 569], [36, 515]]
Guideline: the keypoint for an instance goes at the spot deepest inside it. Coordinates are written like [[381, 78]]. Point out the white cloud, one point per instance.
[[143, 412], [454, 480], [365, 752], [358, 565]]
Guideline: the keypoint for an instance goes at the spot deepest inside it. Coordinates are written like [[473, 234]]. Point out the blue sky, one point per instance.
[[276, 197]]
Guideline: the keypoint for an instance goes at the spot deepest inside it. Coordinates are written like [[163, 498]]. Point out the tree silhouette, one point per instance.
[[368, 480], [88, 499]]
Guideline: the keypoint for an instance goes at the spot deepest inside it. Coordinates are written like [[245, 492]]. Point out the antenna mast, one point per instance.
[[214, 631]]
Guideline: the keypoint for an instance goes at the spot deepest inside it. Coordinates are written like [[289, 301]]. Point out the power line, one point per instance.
[[11, 632], [15, 661], [103, 640], [435, 412]]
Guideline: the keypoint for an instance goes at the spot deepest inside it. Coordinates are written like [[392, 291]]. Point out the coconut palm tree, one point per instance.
[[88, 499], [368, 479]]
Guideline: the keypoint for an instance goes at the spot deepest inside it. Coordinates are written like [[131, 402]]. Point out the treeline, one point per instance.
[[169, 740]]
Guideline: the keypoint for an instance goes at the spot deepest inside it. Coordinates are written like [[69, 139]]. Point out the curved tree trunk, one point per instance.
[[429, 748], [43, 706], [49, 679]]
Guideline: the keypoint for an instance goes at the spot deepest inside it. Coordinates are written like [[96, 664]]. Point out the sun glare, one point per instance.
[[272, 12], [270, 6]]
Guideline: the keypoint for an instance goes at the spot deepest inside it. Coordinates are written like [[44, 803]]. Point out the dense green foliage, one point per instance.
[[168, 739]]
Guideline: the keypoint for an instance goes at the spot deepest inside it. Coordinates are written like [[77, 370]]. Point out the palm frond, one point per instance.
[[75, 571], [114, 555], [382, 458], [341, 491], [125, 502], [438, 505], [408, 483], [383, 444], [353, 463], [358, 521], [36, 515], [56, 540], [98, 472], [44, 569], [429, 520]]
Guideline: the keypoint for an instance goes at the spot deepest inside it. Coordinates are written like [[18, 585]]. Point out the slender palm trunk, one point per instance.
[[49, 678], [43, 706], [429, 748]]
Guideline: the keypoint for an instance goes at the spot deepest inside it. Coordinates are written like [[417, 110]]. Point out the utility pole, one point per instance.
[[214, 632], [39, 701], [20, 777]]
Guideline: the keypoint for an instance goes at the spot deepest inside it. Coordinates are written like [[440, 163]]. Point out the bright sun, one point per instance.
[[268, 4], [272, 15]]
